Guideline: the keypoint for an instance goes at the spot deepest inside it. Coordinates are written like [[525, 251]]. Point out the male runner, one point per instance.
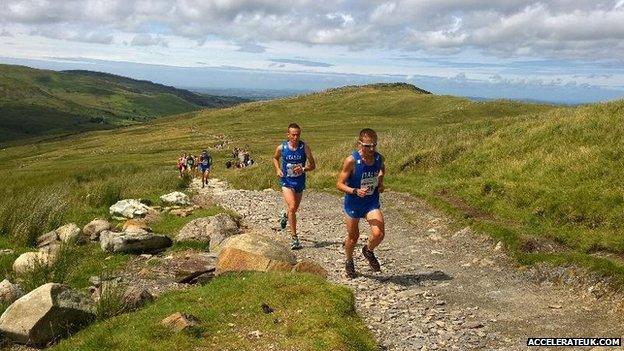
[[361, 179], [205, 162], [296, 160]]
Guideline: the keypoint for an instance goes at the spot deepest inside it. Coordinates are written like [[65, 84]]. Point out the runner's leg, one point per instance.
[[353, 233], [376, 221], [292, 200]]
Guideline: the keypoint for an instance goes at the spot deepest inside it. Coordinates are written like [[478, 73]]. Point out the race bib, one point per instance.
[[370, 184], [290, 169]]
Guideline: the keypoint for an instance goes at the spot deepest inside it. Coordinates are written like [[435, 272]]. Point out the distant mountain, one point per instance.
[[37, 102]]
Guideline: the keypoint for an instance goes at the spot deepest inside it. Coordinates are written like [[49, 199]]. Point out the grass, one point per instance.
[[310, 314]]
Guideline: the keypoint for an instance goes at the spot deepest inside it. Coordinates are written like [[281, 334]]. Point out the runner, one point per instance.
[[190, 165], [205, 162], [181, 165], [361, 179], [296, 160]]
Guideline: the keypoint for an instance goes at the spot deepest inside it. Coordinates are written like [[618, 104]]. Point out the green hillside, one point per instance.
[[39, 102], [527, 174]]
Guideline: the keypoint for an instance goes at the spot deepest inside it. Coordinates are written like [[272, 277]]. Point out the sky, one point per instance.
[[567, 51]]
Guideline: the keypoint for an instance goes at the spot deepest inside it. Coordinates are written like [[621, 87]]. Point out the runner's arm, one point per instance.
[[311, 164], [341, 184], [276, 161], [380, 176]]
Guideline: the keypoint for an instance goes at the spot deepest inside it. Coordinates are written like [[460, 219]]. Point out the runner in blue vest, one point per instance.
[[361, 179], [292, 159], [205, 162]]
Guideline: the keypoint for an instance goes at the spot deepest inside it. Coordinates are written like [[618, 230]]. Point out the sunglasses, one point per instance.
[[371, 146]]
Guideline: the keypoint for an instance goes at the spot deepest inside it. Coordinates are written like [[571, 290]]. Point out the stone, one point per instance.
[[136, 226], [48, 239], [135, 297], [9, 292], [133, 242], [93, 229], [70, 234], [213, 230], [129, 208], [181, 212], [306, 266], [48, 313], [176, 198], [180, 322], [254, 252], [67, 234], [27, 261]]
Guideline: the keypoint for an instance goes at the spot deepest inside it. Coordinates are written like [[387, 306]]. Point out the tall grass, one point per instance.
[[28, 213]]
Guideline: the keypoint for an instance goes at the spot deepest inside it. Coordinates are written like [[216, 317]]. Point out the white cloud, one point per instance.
[[541, 28]]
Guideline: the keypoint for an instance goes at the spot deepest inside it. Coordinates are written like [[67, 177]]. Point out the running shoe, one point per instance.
[[295, 244], [350, 269], [283, 219], [372, 260]]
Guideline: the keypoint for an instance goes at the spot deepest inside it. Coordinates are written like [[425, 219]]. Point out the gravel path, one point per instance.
[[439, 289]]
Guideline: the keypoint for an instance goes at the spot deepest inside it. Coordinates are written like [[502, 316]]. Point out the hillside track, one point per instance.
[[440, 288]]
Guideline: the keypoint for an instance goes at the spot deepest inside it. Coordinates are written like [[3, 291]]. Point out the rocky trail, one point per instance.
[[439, 289]]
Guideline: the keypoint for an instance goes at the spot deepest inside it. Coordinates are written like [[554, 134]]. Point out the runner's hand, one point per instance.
[[361, 192], [298, 170], [279, 173]]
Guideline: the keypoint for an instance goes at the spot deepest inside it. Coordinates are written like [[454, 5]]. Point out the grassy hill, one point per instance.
[[528, 174], [40, 102]]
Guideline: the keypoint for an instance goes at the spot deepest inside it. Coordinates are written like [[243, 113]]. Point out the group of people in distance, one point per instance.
[[193, 165], [360, 179]]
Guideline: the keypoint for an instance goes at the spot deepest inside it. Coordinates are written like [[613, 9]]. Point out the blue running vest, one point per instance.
[[364, 175], [290, 159]]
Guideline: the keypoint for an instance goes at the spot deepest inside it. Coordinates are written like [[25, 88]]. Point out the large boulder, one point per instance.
[[254, 252], [129, 208], [50, 312], [93, 229], [27, 261], [214, 229], [9, 292], [133, 242], [176, 198]]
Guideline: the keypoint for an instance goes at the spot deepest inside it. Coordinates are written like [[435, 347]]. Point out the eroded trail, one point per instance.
[[439, 288]]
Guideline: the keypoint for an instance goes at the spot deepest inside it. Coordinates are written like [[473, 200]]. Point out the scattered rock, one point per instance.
[[48, 313], [6, 252], [254, 252], [93, 229], [176, 198], [9, 292], [136, 226], [136, 297], [255, 334], [214, 230], [133, 242], [555, 306], [70, 234], [180, 322], [27, 261], [67, 234], [129, 208]]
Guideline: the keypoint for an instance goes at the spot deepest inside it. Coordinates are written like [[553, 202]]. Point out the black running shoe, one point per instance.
[[372, 260], [350, 269]]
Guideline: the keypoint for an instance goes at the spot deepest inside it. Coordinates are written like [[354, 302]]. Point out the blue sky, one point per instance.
[[562, 50]]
